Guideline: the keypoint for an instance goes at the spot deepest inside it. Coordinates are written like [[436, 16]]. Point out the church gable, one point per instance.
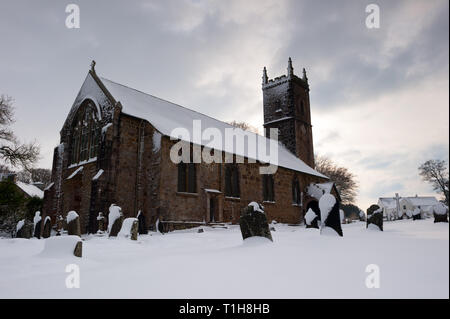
[[93, 92]]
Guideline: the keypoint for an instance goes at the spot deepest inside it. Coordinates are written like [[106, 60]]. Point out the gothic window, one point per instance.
[[85, 134], [296, 197], [232, 188], [268, 188], [187, 178]]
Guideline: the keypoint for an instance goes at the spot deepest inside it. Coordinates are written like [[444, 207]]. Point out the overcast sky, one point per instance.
[[379, 97]]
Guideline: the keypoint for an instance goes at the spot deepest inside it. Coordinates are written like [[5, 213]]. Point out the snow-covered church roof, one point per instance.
[[166, 116]]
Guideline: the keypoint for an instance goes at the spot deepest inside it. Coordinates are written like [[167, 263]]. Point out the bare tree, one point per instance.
[[13, 152], [345, 181], [244, 126], [435, 172]]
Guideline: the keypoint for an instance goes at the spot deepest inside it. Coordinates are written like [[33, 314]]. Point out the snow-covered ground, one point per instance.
[[413, 258]]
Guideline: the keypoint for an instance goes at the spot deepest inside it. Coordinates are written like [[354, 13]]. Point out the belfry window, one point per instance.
[[85, 134]]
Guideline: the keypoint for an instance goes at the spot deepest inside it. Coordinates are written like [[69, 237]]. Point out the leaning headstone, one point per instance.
[[440, 214], [101, 223], [59, 225], [311, 219], [129, 228], [24, 229], [142, 224], [37, 225], [115, 218], [416, 214], [253, 222], [330, 214], [73, 223], [47, 227], [78, 251], [376, 218]]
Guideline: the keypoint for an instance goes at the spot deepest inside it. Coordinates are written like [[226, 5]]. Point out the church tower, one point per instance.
[[287, 108]]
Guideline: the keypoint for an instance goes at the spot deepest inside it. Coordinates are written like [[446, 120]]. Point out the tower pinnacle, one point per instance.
[[305, 78], [265, 79], [290, 69]]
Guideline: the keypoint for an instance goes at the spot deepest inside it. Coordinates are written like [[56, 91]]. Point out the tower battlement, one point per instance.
[[287, 108]]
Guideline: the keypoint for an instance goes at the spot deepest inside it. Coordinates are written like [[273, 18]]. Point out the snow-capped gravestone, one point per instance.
[[416, 214], [253, 222], [311, 219], [362, 216], [142, 224], [63, 246], [24, 229], [100, 223], [73, 223], [47, 227], [375, 218], [37, 225], [330, 215], [440, 214], [409, 214], [115, 218], [129, 228], [59, 225]]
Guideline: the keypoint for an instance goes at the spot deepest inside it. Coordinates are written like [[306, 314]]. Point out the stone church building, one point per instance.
[[115, 149]]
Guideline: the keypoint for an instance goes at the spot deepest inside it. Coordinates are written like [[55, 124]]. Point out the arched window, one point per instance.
[[268, 188], [296, 197], [232, 187], [85, 134]]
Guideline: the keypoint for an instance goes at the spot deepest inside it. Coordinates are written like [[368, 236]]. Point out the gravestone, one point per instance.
[[101, 223], [375, 218], [362, 216], [311, 219], [333, 218], [47, 227], [24, 229], [440, 214], [129, 228], [372, 209], [416, 214], [59, 225], [142, 224], [253, 222], [73, 223], [115, 220], [37, 225], [78, 251]]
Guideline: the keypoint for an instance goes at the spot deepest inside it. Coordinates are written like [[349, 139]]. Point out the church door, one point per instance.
[[212, 209]]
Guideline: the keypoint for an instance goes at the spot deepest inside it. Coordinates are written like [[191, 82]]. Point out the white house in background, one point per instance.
[[407, 205], [424, 203], [389, 206]]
